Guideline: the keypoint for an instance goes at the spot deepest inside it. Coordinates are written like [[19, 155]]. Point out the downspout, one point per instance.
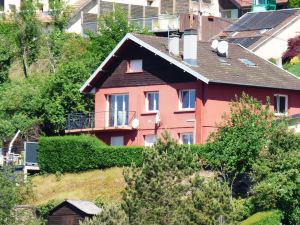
[[12, 142]]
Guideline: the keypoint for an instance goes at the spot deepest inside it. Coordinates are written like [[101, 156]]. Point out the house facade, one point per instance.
[[146, 86]]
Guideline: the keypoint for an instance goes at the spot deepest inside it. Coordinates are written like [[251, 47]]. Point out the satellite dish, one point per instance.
[[135, 123], [214, 44], [223, 47]]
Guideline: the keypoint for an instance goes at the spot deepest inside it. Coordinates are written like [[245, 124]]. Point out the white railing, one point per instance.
[[158, 24]]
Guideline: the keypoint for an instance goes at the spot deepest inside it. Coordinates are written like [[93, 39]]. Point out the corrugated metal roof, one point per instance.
[[261, 20]]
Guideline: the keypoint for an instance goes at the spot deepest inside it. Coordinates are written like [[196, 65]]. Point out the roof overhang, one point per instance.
[[87, 87]]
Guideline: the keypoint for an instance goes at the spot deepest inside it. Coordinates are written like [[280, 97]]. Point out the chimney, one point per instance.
[[173, 44], [190, 41]]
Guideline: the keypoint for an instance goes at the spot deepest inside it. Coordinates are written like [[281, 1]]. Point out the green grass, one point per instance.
[[295, 69], [106, 184], [263, 218]]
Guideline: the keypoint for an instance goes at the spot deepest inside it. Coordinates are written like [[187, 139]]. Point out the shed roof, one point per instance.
[[85, 206], [211, 67]]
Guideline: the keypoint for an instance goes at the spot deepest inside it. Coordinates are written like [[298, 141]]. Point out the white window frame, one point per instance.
[[131, 61], [278, 105], [121, 138], [148, 143], [180, 99], [187, 133], [156, 104]]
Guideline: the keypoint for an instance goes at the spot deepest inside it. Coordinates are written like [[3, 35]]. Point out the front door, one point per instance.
[[118, 110]]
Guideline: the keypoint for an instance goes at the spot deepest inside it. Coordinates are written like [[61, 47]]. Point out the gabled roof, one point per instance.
[[261, 20], [254, 28], [211, 68], [84, 206]]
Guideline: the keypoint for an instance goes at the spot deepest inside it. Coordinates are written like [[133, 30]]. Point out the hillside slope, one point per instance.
[[105, 184]]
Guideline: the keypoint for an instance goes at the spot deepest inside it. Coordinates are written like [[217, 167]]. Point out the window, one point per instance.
[[150, 139], [187, 138], [117, 141], [187, 99], [281, 104], [152, 101], [118, 110], [135, 66]]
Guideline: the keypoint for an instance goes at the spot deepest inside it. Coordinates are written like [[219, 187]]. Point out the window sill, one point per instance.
[[280, 114], [149, 113], [133, 72], [185, 111]]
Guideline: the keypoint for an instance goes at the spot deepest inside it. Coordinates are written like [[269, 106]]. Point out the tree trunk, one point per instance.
[[24, 60]]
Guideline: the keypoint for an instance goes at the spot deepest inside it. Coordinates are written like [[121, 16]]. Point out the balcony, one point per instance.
[[162, 23], [99, 121]]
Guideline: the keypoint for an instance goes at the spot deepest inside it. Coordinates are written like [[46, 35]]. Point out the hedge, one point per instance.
[[81, 153], [264, 218]]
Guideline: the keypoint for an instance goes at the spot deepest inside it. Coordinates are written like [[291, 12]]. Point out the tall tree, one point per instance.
[[7, 38], [235, 146], [28, 34], [8, 195]]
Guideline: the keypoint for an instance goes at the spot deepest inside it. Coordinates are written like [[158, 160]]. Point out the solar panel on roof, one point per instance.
[[246, 42], [260, 20]]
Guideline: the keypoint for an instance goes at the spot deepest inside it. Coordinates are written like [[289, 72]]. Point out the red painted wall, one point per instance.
[[211, 103], [217, 97], [172, 119]]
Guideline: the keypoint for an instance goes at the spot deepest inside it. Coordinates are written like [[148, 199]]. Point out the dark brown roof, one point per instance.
[[231, 70], [250, 31]]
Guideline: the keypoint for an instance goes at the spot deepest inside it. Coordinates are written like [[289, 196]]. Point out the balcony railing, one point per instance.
[[158, 24], [99, 120]]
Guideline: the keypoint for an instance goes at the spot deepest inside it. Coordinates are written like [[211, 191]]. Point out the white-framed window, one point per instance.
[[150, 139], [134, 66], [187, 99], [117, 141], [187, 138], [152, 101], [280, 104]]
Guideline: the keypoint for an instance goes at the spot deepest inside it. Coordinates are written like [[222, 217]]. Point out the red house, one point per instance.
[[150, 84]]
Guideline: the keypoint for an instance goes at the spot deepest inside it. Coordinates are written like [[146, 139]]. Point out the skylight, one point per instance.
[[248, 63]]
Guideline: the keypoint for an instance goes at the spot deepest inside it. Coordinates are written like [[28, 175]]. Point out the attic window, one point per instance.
[[134, 66], [247, 62]]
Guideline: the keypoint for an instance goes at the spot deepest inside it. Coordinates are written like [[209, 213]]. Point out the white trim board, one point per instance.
[[150, 48]]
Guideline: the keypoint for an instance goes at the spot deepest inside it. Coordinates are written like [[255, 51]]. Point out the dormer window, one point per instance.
[[134, 66]]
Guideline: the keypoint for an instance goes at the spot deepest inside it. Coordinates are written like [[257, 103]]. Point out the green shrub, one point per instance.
[[264, 218], [81, 153]]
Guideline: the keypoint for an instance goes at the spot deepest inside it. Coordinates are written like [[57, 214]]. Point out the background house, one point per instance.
[[265, 33], [146, 85]]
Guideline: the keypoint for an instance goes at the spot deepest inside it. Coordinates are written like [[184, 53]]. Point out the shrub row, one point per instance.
[[81, 153]]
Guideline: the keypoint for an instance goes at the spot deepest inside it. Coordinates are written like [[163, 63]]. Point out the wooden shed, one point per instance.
[[71, 212]]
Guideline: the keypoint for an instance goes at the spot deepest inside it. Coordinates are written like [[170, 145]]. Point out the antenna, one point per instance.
[[214, 45], [223, 48]]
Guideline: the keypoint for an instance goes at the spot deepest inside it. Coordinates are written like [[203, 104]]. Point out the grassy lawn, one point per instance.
[[295, 69], [106, 184]]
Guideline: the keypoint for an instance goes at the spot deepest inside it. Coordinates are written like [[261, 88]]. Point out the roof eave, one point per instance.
[[87, 84]]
